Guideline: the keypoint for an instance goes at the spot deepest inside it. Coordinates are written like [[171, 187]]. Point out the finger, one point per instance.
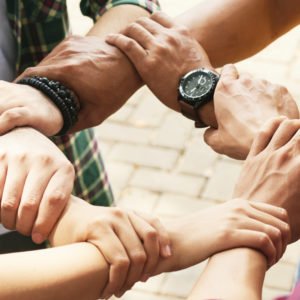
[[265, 135], [54, 200], [3, 173], [115, 254], [259, 241], [135, 251], [12, 118], [149, 236], [135, 52], [212, 138], [164, 239], [163, 19], [272, 226], [140, 34], [34, 187], [14, 183], [275, 211], [229, 73], [284, 133], [280, 214], [150, 25]]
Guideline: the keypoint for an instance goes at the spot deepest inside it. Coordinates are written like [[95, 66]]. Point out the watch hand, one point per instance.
[[199, 81]]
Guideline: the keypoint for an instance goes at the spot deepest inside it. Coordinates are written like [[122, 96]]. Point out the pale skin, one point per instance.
[[32, 113], [274, 154], [34, 208], [84, 274], [159, 46], [133, 87]]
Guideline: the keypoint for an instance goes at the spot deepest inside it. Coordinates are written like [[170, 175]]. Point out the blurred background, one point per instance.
[[157, 161]]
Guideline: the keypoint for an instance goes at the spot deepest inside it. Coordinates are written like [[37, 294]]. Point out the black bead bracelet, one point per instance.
[[64, 99]]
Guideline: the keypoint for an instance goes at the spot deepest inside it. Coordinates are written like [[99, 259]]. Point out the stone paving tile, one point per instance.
[[145, 155], [139, 199], [220, 185], [119, 173], [180, 283], [122, 114], [280, 276], [175, 205], [292, 253], [153, 284], [174, 132], [123, 133], [271, 293], [198, 158], [160, 181], [149, 111]]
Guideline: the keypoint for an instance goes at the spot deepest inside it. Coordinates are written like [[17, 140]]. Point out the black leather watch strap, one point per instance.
[[191, 113]]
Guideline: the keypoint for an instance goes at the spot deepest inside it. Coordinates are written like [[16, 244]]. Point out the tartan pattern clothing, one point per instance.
[[38, 26]]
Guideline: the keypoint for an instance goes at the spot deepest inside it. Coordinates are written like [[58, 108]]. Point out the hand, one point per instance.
[[162, 52], [22, 105], [234, 224], [271, 172], [242, 105], [35, 183], [132, 244], [99, 74]]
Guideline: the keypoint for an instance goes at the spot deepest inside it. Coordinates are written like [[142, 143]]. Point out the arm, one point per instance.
[[72, 66], [235, 274], [270, 174], [79, 271], [232, 30], [76, 272]]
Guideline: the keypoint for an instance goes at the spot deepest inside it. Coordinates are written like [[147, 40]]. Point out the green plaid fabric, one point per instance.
[[38, 26]]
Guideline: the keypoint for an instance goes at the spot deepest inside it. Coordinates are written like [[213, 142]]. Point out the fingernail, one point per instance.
[[145, 277], [167, 251], [37, 238]]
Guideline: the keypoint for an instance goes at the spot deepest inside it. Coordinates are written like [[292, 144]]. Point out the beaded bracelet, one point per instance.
[[64, 99]]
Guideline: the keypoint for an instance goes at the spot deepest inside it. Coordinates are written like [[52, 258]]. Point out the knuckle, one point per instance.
[[122, 262], [69, 169], [246, 80], [10, 205], [139, 257], [45, 159], [11, 115], [3, 156], [57, 198], [283, 214], [118, 213], [183, 30], [30, 205], [151, 235], [129, 45], [263, 240]]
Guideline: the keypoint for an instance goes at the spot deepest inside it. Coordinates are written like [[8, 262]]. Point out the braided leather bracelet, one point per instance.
[[64, 99]]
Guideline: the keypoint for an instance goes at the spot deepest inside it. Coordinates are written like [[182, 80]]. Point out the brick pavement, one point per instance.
[[158, 163]]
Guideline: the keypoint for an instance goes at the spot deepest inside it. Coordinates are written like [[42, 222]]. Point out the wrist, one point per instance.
[[44, 116], [67, 228], [207, 114]]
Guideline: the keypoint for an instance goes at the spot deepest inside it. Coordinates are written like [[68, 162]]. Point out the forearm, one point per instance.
[[233, 30], [117, 18], [76, 271], [234, 274]]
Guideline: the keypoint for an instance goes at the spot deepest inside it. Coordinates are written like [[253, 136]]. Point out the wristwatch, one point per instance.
[[196, 88]]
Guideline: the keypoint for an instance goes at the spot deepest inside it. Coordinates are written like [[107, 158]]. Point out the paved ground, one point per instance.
[[158, 163]]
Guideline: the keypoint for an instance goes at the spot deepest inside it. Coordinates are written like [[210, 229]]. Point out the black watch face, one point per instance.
[[195, 85]]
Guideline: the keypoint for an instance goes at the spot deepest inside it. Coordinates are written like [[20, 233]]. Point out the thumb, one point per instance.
[[229, 73], [212, 139]]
